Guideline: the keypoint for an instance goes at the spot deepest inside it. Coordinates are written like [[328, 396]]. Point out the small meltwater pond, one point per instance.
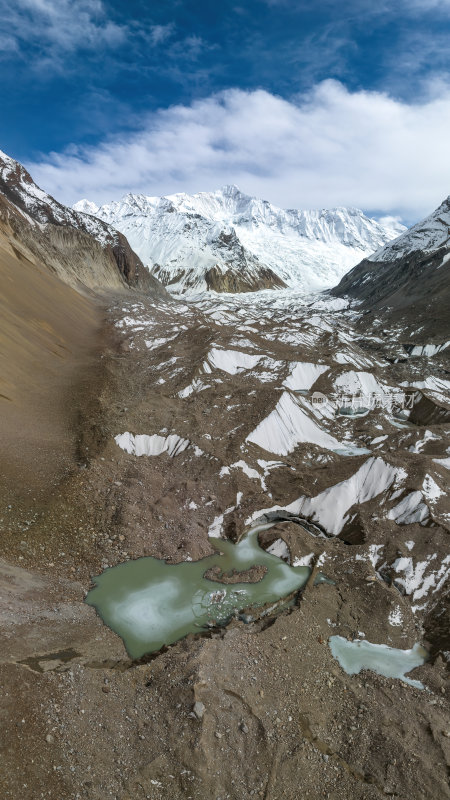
[[150, 603], [388, 661]]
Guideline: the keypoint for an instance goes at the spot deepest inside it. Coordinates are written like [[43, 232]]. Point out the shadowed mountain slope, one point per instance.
[[407, 282]]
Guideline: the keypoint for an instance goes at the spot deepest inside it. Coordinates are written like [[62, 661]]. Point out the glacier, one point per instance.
[[182, 238]]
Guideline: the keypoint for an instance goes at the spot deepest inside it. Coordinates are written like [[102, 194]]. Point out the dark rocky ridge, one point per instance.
[[78, 247], [229, 281], [243, 273], [411, 289]]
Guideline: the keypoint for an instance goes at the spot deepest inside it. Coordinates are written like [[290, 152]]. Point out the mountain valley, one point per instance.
[[143, 424]]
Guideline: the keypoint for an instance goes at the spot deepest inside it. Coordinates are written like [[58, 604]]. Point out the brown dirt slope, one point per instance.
[[49, 338]]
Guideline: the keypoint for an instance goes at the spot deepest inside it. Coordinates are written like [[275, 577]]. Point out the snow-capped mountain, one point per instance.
[[49, 218], [20, 189], [408, 279], [114, 262], [229, 241], [430, 234]]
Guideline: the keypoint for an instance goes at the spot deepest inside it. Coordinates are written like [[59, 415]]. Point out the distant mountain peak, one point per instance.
[[86, 207], [181, 238], [231, 189]]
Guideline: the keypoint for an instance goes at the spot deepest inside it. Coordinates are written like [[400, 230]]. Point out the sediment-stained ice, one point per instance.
[[330, 508], [410, 509]]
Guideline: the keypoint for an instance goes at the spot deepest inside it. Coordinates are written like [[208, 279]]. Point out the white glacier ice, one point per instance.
[[144, 445]]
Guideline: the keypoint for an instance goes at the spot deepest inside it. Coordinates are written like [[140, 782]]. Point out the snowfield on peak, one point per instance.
[[191, 242]]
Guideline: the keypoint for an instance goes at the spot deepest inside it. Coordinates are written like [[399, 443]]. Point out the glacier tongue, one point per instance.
[[229, 241]]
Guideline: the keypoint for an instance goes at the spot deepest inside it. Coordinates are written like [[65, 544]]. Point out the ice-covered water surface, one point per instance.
[[150, 603], [388, 661]]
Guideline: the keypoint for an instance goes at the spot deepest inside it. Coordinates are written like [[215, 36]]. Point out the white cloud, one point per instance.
[[326, 148], [8, 44], [389, 220], [160, 33], [62, 24]]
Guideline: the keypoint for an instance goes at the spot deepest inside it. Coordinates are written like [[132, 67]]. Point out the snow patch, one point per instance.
[[429, 436], [374, 554], [395, 617], [444, 462], [414, 580], [280, 549], [304, 375], [287, 426], [431, 490], [358, 383], [231, 361], [144, 445], [303, 561], [216, 528]]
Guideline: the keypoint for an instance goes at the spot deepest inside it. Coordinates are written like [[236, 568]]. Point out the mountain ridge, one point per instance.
[[56, 231], [407, 280], [180, 238]]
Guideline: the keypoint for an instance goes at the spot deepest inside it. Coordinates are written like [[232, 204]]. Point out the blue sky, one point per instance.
[[306, 103]]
